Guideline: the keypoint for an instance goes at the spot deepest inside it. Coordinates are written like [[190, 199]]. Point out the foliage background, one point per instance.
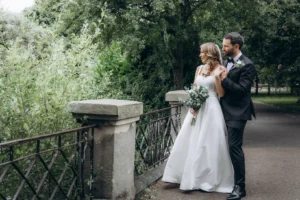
[[60, 51]]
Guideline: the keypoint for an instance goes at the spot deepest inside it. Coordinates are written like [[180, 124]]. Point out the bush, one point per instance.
[[40, 73]]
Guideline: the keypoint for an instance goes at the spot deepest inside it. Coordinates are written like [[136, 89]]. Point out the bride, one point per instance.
[[200, 159]]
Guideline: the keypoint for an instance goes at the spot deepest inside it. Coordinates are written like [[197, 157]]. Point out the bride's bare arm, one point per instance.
[[220, 89], [196, 74]]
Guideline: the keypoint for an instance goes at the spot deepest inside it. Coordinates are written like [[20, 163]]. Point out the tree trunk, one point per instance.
[[178, 69], [178, 77], [256, 85], [269, 88]]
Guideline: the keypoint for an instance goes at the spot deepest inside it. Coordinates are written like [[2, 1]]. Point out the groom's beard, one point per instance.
[[230, 53]]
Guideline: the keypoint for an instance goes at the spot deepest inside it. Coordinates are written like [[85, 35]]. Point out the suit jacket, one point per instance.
[[236, 103]]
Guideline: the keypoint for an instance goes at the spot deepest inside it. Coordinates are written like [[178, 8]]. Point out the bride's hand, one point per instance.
[[193, 112]]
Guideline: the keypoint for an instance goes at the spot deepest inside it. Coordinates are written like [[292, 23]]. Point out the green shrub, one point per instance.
[[40, 73]]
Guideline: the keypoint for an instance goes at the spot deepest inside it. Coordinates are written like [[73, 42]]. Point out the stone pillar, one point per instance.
[[114, 144], [174, 98]]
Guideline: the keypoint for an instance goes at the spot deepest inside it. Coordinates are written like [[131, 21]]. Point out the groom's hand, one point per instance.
[[223, 75], [221, 72]]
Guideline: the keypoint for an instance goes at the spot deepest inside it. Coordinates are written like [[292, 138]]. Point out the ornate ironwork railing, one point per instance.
[[155, 135], [50, 166]]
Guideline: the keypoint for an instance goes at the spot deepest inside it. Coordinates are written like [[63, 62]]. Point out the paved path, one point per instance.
[[272, 151]]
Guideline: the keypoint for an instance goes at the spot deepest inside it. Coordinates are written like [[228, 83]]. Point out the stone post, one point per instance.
[[114, 144], [173, 98]]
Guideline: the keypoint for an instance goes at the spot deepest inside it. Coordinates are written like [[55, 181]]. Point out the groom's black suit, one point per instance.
[[237, 108]]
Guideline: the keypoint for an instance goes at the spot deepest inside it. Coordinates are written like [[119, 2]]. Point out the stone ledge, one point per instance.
[[110, 109], [144, 181], [176, 95]]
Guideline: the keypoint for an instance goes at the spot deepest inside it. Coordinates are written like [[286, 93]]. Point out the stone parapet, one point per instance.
[[114, 144], [174, 98]]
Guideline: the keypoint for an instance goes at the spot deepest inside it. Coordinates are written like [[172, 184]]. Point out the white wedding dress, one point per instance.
[[200, 158]]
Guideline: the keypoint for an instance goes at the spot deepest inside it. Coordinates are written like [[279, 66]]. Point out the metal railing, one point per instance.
[[50, 166], [156, 132]]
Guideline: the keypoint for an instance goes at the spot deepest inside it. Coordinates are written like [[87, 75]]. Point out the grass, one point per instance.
[[283, 100]]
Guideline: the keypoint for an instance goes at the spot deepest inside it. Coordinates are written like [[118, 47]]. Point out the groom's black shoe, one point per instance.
[[237, 193]]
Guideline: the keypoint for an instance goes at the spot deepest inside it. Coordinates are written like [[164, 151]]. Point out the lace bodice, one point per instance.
[[208, 82]]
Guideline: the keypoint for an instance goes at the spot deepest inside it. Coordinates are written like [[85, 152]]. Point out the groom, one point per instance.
[[237, 105]]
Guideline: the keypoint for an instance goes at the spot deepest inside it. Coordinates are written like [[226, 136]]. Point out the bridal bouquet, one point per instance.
[[197, 97]]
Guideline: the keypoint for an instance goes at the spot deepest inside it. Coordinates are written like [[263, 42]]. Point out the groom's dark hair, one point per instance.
[[235, 38]]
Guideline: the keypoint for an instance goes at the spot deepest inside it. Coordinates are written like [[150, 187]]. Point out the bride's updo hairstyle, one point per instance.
[[213, 54]]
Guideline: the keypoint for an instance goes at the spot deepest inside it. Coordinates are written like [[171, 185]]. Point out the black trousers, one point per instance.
[[235, 142]]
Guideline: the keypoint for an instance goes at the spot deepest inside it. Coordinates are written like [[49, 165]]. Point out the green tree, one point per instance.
[[40, 73], [160, 38], [274, 39]]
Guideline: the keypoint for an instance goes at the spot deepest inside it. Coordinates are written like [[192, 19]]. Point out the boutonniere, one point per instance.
[[239, 64]]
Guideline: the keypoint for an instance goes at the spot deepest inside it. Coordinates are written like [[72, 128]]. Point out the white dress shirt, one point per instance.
[[230, 65]]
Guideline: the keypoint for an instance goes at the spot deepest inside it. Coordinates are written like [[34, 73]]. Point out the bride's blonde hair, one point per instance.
[[213, 54]]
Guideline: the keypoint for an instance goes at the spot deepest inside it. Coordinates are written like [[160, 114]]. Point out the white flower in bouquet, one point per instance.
[[197, 96]]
